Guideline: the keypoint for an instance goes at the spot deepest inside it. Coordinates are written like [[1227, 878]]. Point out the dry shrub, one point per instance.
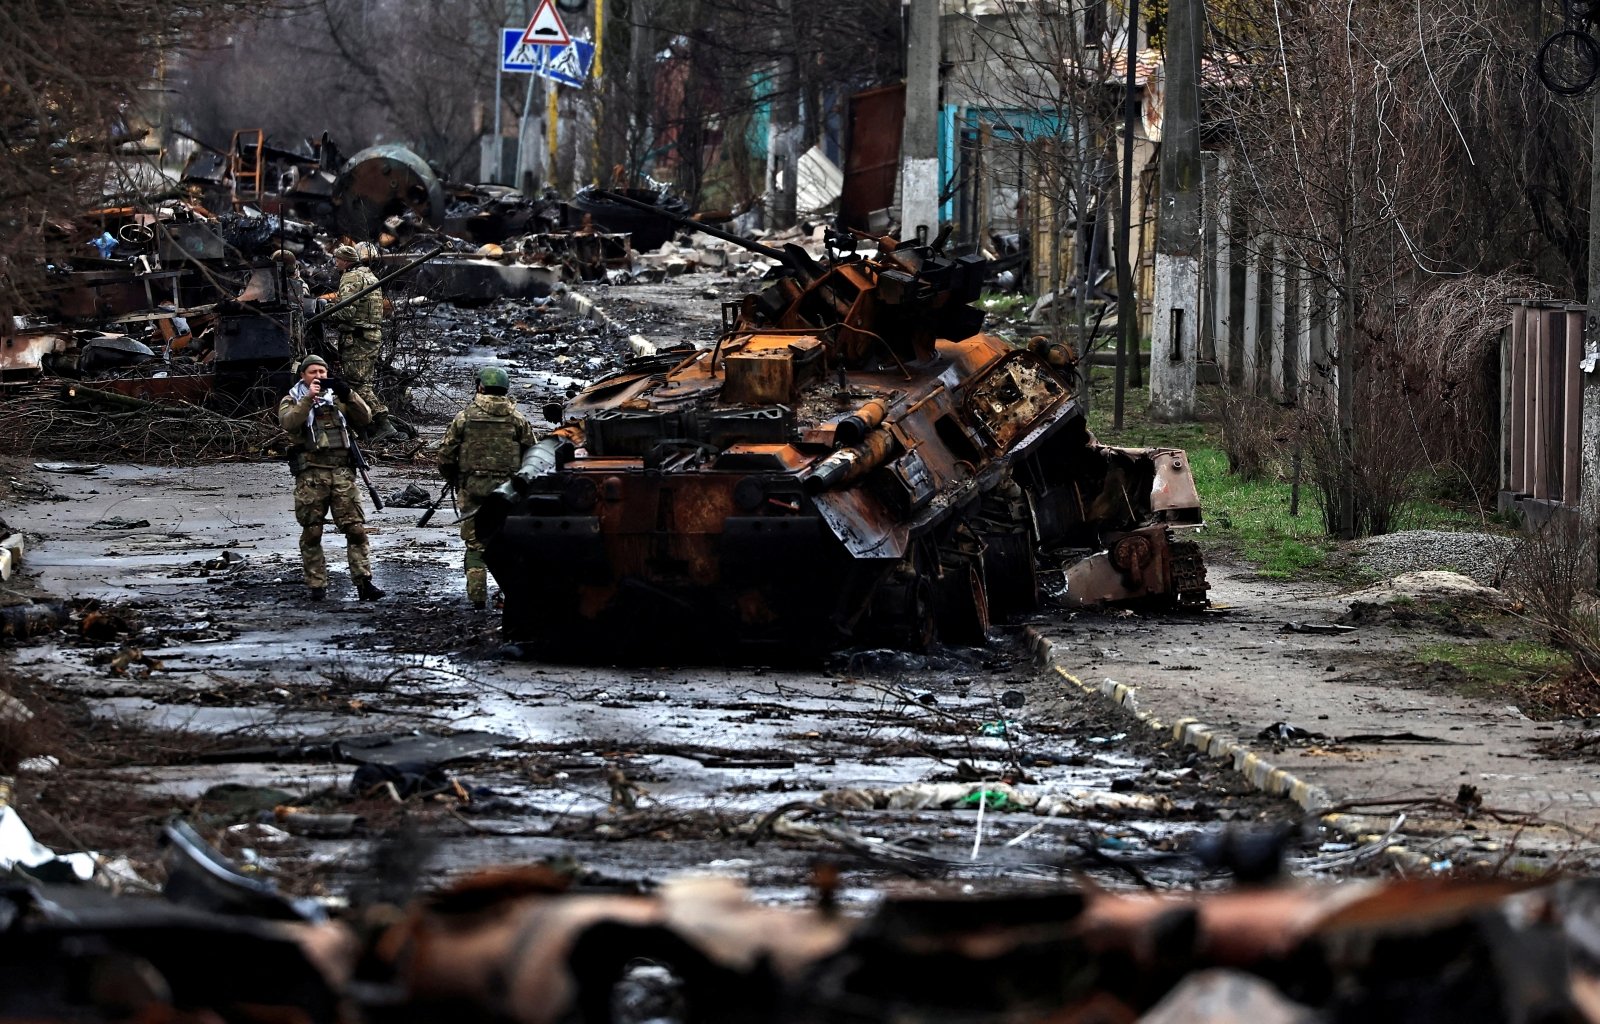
[[73, 77], [1551, 577], [410, 360], [1449, 339], [1426, 398], [1254, 432], [1382, 461], [39, 423]]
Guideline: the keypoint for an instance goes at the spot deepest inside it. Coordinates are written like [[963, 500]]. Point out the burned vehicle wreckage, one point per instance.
[[852, 462]]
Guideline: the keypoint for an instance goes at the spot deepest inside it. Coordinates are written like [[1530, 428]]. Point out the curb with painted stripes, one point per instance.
[[582, 305], [1259, 772]]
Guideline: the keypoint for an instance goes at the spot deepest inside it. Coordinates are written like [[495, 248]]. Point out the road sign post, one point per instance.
[[544, 48], [569, 65]]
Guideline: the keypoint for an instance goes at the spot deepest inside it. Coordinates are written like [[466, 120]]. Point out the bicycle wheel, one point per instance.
[[1569, 62]]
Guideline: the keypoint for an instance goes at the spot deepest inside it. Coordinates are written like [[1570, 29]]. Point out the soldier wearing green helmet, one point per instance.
[[483, 446]]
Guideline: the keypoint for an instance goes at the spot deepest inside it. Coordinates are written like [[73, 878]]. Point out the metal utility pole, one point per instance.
[[1589, 485], [1127, 305], [1174, 344], [552, 123], [919, 140], [598, 93]]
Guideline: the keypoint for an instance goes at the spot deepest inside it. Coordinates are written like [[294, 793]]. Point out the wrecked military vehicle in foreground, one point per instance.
[[853, 462]]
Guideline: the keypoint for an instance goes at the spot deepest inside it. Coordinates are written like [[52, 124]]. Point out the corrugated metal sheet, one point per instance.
[[873, 160]]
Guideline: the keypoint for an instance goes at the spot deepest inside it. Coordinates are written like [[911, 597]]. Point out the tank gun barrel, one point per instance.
[[847, 465], [715, 232], [425, 257], [542, 459]]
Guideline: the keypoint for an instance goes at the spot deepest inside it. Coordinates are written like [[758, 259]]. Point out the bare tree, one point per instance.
[[721, 73], [366, 71], [1380, 146], [78, 79], [1051, 79]]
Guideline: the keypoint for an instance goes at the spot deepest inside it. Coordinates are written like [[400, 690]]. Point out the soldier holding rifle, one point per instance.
[[318, 414]]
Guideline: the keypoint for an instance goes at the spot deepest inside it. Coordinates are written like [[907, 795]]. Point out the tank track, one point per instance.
[[1188, 573]]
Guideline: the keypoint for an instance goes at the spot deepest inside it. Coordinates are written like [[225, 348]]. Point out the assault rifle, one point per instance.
[[449, 489], [359, 461], [342, 303]]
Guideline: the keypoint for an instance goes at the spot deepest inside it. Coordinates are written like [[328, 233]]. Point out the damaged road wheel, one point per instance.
[[963, 594]]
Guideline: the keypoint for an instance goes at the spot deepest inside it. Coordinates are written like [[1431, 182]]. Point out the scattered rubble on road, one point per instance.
[[331, 782], [203, 296]]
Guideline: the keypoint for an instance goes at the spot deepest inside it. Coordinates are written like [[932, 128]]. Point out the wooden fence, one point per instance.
[[1541, 408]]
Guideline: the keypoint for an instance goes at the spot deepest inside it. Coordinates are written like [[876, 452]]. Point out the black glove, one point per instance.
[[450, 473], [339, 388]]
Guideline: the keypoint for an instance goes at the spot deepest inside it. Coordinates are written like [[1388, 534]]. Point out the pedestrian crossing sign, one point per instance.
[[569, 65]]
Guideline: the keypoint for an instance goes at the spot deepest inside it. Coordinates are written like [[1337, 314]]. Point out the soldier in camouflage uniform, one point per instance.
[[317, 414], [482, 448], [361, 334]]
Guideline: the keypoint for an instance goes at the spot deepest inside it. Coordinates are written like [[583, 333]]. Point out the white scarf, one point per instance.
[[301, 389]]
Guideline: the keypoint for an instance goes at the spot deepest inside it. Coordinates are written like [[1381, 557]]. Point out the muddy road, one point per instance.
[[305, 738]]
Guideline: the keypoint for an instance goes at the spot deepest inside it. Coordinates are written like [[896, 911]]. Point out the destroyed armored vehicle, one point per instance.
[[852, 462]]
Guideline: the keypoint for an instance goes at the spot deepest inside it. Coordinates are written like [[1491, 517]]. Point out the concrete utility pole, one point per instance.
[[783, 153], [1174, 342], [919, 141], [640, 86]]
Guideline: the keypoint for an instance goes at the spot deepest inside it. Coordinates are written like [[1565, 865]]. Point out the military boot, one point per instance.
[[478, 588], [366, 590], [318, 593], [382, 430]]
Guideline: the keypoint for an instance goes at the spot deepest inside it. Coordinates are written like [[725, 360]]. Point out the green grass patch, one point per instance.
[[1535, 676], [1500, 663], [1249, 518]]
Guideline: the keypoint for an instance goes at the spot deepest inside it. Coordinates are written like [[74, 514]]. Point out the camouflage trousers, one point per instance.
[[358, 361], [318, 491], [473, 491]]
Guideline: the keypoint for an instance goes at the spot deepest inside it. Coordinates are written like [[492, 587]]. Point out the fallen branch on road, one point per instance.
[[43, 421]]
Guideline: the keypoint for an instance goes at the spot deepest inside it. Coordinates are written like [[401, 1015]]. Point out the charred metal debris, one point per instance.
[[853, 461], [533, 944], [203, 294]]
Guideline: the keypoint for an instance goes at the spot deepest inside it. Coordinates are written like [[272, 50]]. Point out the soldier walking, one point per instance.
[[482, 448], [317, 414], [361, 335]]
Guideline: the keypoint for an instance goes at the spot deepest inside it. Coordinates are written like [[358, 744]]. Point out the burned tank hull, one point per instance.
[[853, 462]]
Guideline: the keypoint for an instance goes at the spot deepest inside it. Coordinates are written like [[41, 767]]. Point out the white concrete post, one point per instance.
[[1250, 357], [1278, 281]]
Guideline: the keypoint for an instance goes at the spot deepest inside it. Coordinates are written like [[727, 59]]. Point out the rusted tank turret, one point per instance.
[[382, 182], [854, 461]]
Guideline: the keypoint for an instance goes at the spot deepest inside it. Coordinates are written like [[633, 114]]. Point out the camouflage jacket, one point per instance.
[[365, 312], [320, 429], [485, 442]]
